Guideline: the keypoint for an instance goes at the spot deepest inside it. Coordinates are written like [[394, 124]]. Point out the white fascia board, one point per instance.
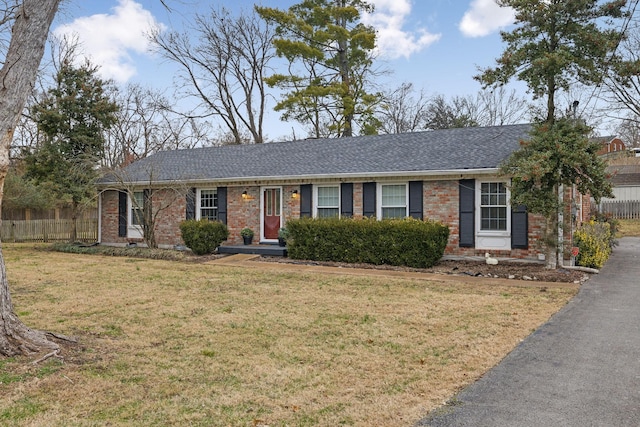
[[450, 174]]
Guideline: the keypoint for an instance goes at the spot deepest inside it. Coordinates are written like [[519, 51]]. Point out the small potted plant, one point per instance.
[[283, 234], [247, 235]]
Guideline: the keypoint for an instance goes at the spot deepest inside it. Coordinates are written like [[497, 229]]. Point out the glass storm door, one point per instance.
[[272, 212]]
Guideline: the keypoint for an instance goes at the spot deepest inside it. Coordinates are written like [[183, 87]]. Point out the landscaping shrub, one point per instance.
[[612, 223], [203, 236], [594, 241], [408, 242]]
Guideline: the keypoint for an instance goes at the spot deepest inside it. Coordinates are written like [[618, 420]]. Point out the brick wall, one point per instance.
[[170, 206], [242, 211], [109, 218], [440, 201]]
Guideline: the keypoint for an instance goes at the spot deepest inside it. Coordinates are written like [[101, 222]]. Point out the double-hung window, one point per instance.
[[208, 204], [393, 201], [137, 209], [493, 207], [328, 202]]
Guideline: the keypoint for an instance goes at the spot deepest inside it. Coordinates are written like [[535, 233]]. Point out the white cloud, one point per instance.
[[109, 39], [393, 41], [485, 17]]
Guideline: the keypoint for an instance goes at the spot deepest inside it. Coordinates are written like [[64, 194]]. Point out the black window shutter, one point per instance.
[[369, 199], [415, 199], [519, 227], [346, 199], [305, 200], [222, 204], [122, 214], [191, 204], [467, 190]]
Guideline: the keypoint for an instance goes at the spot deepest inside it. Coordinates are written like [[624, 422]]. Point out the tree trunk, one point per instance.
[[17, 77]]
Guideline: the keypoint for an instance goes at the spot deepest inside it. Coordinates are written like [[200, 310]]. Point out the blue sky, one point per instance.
[[435, 44]]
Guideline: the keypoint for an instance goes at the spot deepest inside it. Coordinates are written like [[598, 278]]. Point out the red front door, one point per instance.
[[272, 212]]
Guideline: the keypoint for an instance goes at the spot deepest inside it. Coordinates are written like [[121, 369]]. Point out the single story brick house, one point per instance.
[[446, 175]]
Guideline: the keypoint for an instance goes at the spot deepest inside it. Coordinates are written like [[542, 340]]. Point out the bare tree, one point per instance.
[[405, 110], [624, 85], [629, 131], [29, 29], [498, 107], [401, 111], [149, 200], [147, 124], [224, 68]]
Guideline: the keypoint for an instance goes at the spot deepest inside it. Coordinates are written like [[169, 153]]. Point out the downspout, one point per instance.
[[100, 217], [560, 249]]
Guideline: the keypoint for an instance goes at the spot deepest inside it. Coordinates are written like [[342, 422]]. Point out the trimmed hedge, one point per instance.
[[407, 242], [203, 236]]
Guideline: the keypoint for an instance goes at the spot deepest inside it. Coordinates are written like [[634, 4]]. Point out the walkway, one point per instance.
[[582, 368]]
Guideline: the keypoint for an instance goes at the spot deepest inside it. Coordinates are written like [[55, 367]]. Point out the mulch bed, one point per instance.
[[507, 270]]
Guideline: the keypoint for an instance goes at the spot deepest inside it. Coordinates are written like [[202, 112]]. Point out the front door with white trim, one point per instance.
[[271, 212]]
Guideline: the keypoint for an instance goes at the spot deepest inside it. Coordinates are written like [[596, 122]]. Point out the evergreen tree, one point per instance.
[[72, 116], [557, 154], [330, 57], [555, 44]]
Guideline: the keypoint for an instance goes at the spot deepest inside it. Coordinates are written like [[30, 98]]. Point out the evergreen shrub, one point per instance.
[[203, 236], [402, 242]]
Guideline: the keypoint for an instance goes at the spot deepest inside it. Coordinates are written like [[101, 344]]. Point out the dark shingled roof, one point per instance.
[[624, 175], [430, 151]]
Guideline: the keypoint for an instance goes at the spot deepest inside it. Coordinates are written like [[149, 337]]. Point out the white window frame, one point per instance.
[[315, 200], [199, 201], [134, 231], [492, 239], [379, 206]]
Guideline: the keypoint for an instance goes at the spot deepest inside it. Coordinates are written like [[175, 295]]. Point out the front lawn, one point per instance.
[[629, 228], [178, 343]]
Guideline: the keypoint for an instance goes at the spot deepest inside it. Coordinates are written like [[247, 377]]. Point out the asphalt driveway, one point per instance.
[[582, 368]]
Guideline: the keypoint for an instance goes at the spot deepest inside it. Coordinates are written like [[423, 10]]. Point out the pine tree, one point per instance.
[[555, 44], [330, 58]]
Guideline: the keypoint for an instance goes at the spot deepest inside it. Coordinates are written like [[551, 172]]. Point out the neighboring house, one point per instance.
[[445, 175], [611, 146], [625, 180]]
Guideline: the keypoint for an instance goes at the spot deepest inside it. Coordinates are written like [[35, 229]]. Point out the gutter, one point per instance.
[[460, 173]]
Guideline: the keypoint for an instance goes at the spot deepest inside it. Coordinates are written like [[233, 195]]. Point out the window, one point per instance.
[[328, 202], [393, 201], [493, 206], [208, 204], [137, 208]]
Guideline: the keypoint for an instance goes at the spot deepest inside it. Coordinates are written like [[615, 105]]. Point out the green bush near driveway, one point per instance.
[[594, 241], [400, 242]]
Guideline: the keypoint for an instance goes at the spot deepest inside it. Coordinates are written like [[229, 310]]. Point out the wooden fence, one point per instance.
[[49, 230], [621, 209]]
